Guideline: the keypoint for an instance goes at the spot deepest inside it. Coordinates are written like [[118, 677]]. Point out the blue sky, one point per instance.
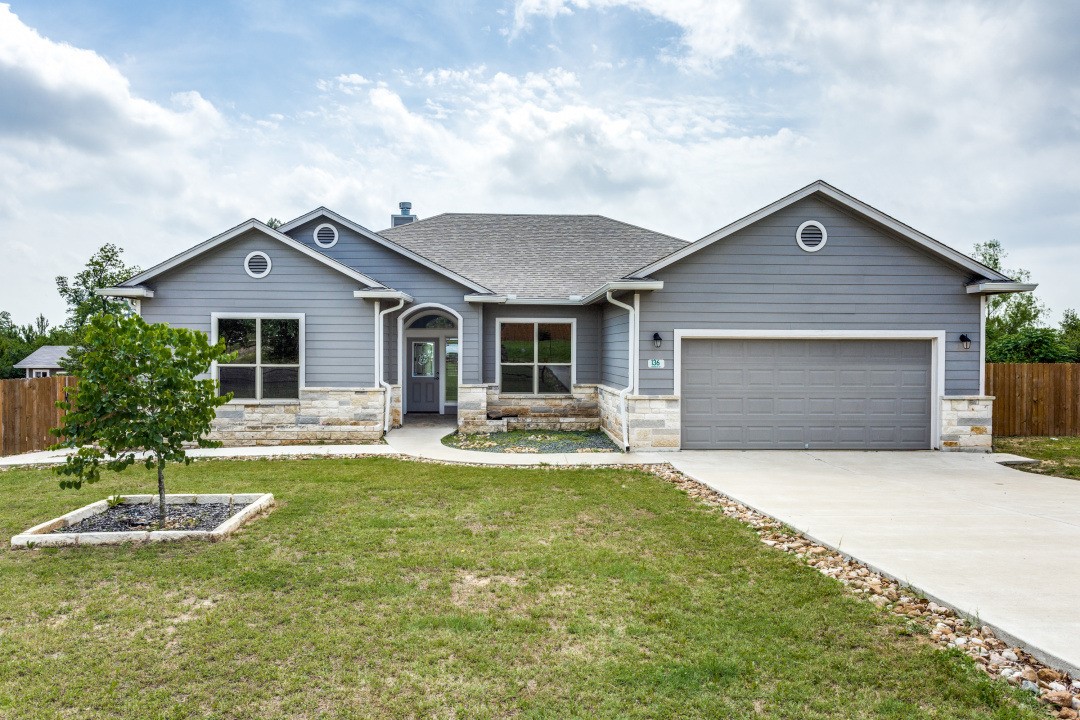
[[158, 125]]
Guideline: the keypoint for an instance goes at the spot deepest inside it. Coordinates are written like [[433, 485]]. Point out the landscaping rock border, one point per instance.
[[44, 535]]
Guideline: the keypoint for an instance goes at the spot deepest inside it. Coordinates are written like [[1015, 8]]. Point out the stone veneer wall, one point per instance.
[[578, 411], [655, 422], [323, 415], [966, 423]]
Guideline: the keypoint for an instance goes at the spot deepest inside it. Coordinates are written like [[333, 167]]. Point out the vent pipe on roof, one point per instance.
[[405, 217]]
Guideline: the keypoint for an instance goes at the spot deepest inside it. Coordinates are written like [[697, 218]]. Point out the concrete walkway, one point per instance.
[[991, 541], [988, 540]]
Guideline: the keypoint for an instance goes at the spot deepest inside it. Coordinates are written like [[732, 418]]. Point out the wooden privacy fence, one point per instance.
[[28, 411], [1035, 398]]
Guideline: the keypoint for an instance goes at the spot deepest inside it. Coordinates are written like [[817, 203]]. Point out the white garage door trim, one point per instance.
[[937, 354]]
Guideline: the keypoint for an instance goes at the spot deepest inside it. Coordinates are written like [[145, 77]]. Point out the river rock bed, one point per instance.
[[144, 517]]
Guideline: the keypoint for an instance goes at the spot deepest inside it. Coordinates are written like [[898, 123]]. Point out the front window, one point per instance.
[[536, 357], [267, 364]]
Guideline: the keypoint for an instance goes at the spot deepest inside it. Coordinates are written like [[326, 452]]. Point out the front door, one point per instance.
[[423, 390]]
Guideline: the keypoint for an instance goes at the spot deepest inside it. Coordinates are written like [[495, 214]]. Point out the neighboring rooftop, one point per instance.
[[542, 256], [46, 356]]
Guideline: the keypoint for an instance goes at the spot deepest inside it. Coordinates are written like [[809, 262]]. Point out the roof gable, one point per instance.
[[823, 189], [46, 356], [381, 239], [235, 232]]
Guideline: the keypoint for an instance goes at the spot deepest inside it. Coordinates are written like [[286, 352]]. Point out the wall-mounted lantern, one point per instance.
[[656, 340], [965, 341]]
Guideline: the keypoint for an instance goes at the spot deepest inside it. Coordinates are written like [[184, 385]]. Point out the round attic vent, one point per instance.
[[325, 235], [257, 264], [811, 236]]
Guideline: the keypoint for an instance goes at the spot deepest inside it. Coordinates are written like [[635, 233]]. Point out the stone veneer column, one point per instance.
[[610, 413], [966, 423], [655, 422]]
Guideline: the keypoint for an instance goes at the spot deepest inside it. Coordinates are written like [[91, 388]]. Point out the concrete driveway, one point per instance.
[[988, 540]]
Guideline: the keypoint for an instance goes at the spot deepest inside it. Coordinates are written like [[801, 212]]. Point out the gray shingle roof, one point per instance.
[[46, 356], [544, 256]]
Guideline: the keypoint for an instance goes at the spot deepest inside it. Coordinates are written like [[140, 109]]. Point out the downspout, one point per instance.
[[382, 358], [630, 369]]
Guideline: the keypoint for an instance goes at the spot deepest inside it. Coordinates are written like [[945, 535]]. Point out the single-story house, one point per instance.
[[44, 362], [816, 322]]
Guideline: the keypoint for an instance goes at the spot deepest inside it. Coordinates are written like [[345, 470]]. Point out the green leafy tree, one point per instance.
[[16, 342], [1008, 313], [1070, 333], [139, 392], [1029, 345], [273, 223], [105, 268]]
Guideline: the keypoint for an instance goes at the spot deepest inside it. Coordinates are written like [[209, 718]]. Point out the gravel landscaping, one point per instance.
[[144, 516], [534, 441]]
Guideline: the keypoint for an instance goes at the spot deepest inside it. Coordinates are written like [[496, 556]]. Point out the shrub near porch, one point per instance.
[[382, 588]]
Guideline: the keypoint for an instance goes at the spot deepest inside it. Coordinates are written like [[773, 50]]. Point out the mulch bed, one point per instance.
[[538, 441], [144, 516]]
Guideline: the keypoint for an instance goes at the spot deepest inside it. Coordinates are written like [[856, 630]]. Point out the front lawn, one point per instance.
[[1057, 455], [382, 588]]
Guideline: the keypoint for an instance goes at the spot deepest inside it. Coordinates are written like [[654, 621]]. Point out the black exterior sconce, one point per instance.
[[656, 340], [965, 341]]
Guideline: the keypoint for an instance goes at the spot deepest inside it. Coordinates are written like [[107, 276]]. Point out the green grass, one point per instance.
[[381, 588], [1057, 455]]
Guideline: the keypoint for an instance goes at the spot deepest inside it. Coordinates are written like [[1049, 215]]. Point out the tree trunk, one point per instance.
[[161, 490]]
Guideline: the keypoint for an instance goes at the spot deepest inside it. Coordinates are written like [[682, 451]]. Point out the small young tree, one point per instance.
[[139, 391]]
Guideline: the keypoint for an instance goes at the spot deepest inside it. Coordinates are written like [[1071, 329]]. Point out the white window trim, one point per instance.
[[41, 373], [499, 322], [264, 273], [819, 226], [937, 355], [214, 317], [315, 235]]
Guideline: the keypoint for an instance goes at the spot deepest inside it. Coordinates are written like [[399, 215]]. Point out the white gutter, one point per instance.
[[604, 289], [630, 369], [385, 294], [991, 287], [125, 292], [380, 332]]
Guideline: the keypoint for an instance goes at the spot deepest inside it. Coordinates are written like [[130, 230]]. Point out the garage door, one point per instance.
[[795, 394]]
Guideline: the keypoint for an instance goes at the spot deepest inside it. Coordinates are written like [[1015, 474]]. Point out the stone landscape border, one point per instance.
[[42, 535]]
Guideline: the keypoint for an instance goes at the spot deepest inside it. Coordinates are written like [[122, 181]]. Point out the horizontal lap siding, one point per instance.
[[614, 336], [338, 327], [401, 273], [863, 279], [586, 351]]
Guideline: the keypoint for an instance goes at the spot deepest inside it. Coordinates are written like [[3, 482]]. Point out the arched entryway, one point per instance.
[[430, 351]]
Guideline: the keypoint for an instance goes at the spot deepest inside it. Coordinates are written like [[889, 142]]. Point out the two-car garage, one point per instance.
[[806, 393]]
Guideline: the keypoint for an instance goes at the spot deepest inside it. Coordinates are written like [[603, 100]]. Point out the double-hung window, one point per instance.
[[267, 364], [536, 358]]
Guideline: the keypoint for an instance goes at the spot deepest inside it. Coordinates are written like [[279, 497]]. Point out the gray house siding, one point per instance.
[[401, 273], [614, 336], [863, 279], [586, 351], [338, 327]]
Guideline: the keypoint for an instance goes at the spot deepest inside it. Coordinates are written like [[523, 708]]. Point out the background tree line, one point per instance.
[[105, 268], [1016, 330]]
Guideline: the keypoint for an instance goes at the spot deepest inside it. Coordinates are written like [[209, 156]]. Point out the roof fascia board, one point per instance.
[[615, 286], [243, 227], [377, 238], [382, 295], [125, 292], [841, 198], [994, 288], [618, 285]]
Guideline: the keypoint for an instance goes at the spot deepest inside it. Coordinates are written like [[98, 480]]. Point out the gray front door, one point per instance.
[[423, 389], [796, 394]]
